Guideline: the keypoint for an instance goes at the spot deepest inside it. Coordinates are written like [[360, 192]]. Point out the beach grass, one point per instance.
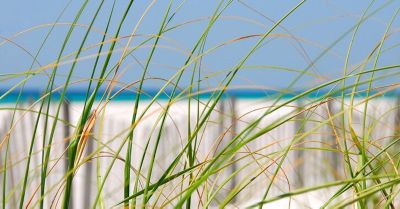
[[364, 150]]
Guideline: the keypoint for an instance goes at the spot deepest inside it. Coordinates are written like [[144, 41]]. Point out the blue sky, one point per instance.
[[315, 26]]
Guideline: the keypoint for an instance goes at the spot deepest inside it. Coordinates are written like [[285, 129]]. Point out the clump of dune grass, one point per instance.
[[333, 121]]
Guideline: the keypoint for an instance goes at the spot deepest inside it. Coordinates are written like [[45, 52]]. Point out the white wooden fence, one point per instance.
[[304, 166]]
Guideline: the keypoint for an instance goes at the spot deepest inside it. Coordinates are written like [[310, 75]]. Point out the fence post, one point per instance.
[[67, 136], [232, 136], [299, 154]]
